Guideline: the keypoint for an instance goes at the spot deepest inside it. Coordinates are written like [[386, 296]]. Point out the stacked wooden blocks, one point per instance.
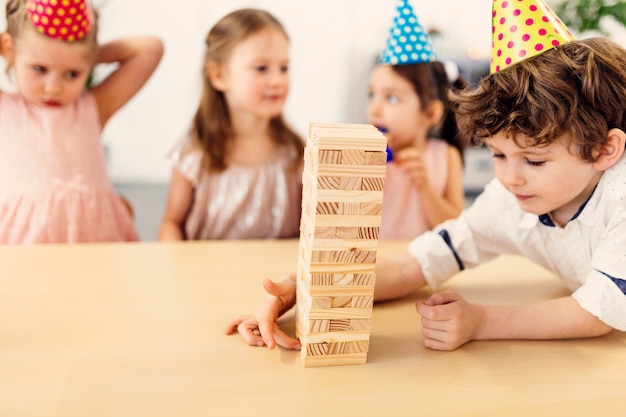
[[344, 174]]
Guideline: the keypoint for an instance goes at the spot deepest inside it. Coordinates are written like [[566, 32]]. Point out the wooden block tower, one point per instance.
[[344, 173]]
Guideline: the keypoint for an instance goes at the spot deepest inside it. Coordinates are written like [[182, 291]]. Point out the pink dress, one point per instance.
[[54, 186], [243, 202], [402, 216]]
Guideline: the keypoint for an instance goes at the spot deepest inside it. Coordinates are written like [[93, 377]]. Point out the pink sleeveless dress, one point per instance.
[[54, 186], [402, 216]]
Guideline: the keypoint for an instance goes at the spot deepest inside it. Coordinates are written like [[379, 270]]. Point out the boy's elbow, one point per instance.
[[594, 327], [602, 329]]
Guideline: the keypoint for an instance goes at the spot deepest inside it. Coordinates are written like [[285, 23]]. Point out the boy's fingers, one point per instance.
[[284, 340], [233, 325], [443, 297], [278, 289]]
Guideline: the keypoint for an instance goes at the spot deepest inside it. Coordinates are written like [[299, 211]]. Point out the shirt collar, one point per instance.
[[546, 219]]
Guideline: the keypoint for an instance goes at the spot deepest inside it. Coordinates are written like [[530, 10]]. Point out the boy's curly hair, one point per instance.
[[577, 90]]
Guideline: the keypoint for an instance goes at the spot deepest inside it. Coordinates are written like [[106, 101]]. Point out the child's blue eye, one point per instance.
[[393, 99], [39, 69]]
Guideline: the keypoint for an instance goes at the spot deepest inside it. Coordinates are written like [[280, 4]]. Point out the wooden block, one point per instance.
[[330, 156], [360, 324], [341, 280], [325, 232], [340, 183], [327, 207], [341, 301], [372, 184], [368, 220], [364, 279], [322, 279], [342, 348], [321, 302], [350, 291], [369, 233], [362, 302], [349, 196], [339, 325], [347, 232], [343, 182], [375, 158], [350, 209], [367, 208], [335, 360], [317, 349], [360, 171]]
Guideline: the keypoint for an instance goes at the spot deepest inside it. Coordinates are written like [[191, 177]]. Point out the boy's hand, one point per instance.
[[448, 321], [261, 329]]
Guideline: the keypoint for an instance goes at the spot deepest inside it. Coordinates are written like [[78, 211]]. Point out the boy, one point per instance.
[[555, 123]]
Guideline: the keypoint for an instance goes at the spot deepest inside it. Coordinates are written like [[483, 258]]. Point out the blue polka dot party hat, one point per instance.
[[408, 42]]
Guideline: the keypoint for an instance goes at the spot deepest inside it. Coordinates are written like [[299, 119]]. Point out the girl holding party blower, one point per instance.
[[408, 102]]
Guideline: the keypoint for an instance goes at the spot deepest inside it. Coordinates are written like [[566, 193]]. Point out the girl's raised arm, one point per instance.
[[137, 59]]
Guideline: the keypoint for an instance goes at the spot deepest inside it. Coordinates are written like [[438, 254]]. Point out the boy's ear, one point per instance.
[[6, 46], [609, 153], [215, 73]]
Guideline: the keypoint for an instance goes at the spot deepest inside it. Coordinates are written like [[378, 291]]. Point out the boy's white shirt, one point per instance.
[[582, 254]]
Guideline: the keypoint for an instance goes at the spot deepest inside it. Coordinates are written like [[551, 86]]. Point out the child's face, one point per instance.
[[549, 179], [255, 79], [50, 72], [395, 108]]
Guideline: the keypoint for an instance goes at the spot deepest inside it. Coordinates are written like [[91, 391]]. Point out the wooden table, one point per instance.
[[136, 330]]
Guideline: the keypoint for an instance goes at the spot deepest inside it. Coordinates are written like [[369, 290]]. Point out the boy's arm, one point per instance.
[[448, 321], [395, 277], [137, 58]]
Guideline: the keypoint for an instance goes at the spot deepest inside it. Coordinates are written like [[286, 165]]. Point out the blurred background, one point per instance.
[[334, 44]]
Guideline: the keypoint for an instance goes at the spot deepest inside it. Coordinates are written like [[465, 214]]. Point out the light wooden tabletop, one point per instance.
[[136, 330]]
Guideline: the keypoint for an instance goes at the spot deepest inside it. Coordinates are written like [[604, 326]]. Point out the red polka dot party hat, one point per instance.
[[408, 42], [522, 29], [67, 20]]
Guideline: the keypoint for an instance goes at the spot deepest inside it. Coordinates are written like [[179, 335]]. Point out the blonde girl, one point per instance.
[[238, 173]]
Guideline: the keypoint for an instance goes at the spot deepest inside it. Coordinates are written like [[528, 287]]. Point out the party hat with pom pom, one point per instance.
[[522, 29]]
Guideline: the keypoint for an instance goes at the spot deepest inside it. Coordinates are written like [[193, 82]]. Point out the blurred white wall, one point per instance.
[[333, 46]]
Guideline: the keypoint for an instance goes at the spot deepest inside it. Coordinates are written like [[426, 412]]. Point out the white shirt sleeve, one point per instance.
[[475, 237], [602, 298]]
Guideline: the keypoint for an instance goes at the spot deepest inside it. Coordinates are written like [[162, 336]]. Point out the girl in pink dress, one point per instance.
[[408, 102], [238, 173], [54, 187]]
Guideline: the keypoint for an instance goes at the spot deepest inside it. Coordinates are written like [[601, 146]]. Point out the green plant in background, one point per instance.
[[586, 15]]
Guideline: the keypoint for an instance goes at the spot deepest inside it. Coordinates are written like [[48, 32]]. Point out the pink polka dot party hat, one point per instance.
[[67, 20], [408, 42], [523, 29]]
